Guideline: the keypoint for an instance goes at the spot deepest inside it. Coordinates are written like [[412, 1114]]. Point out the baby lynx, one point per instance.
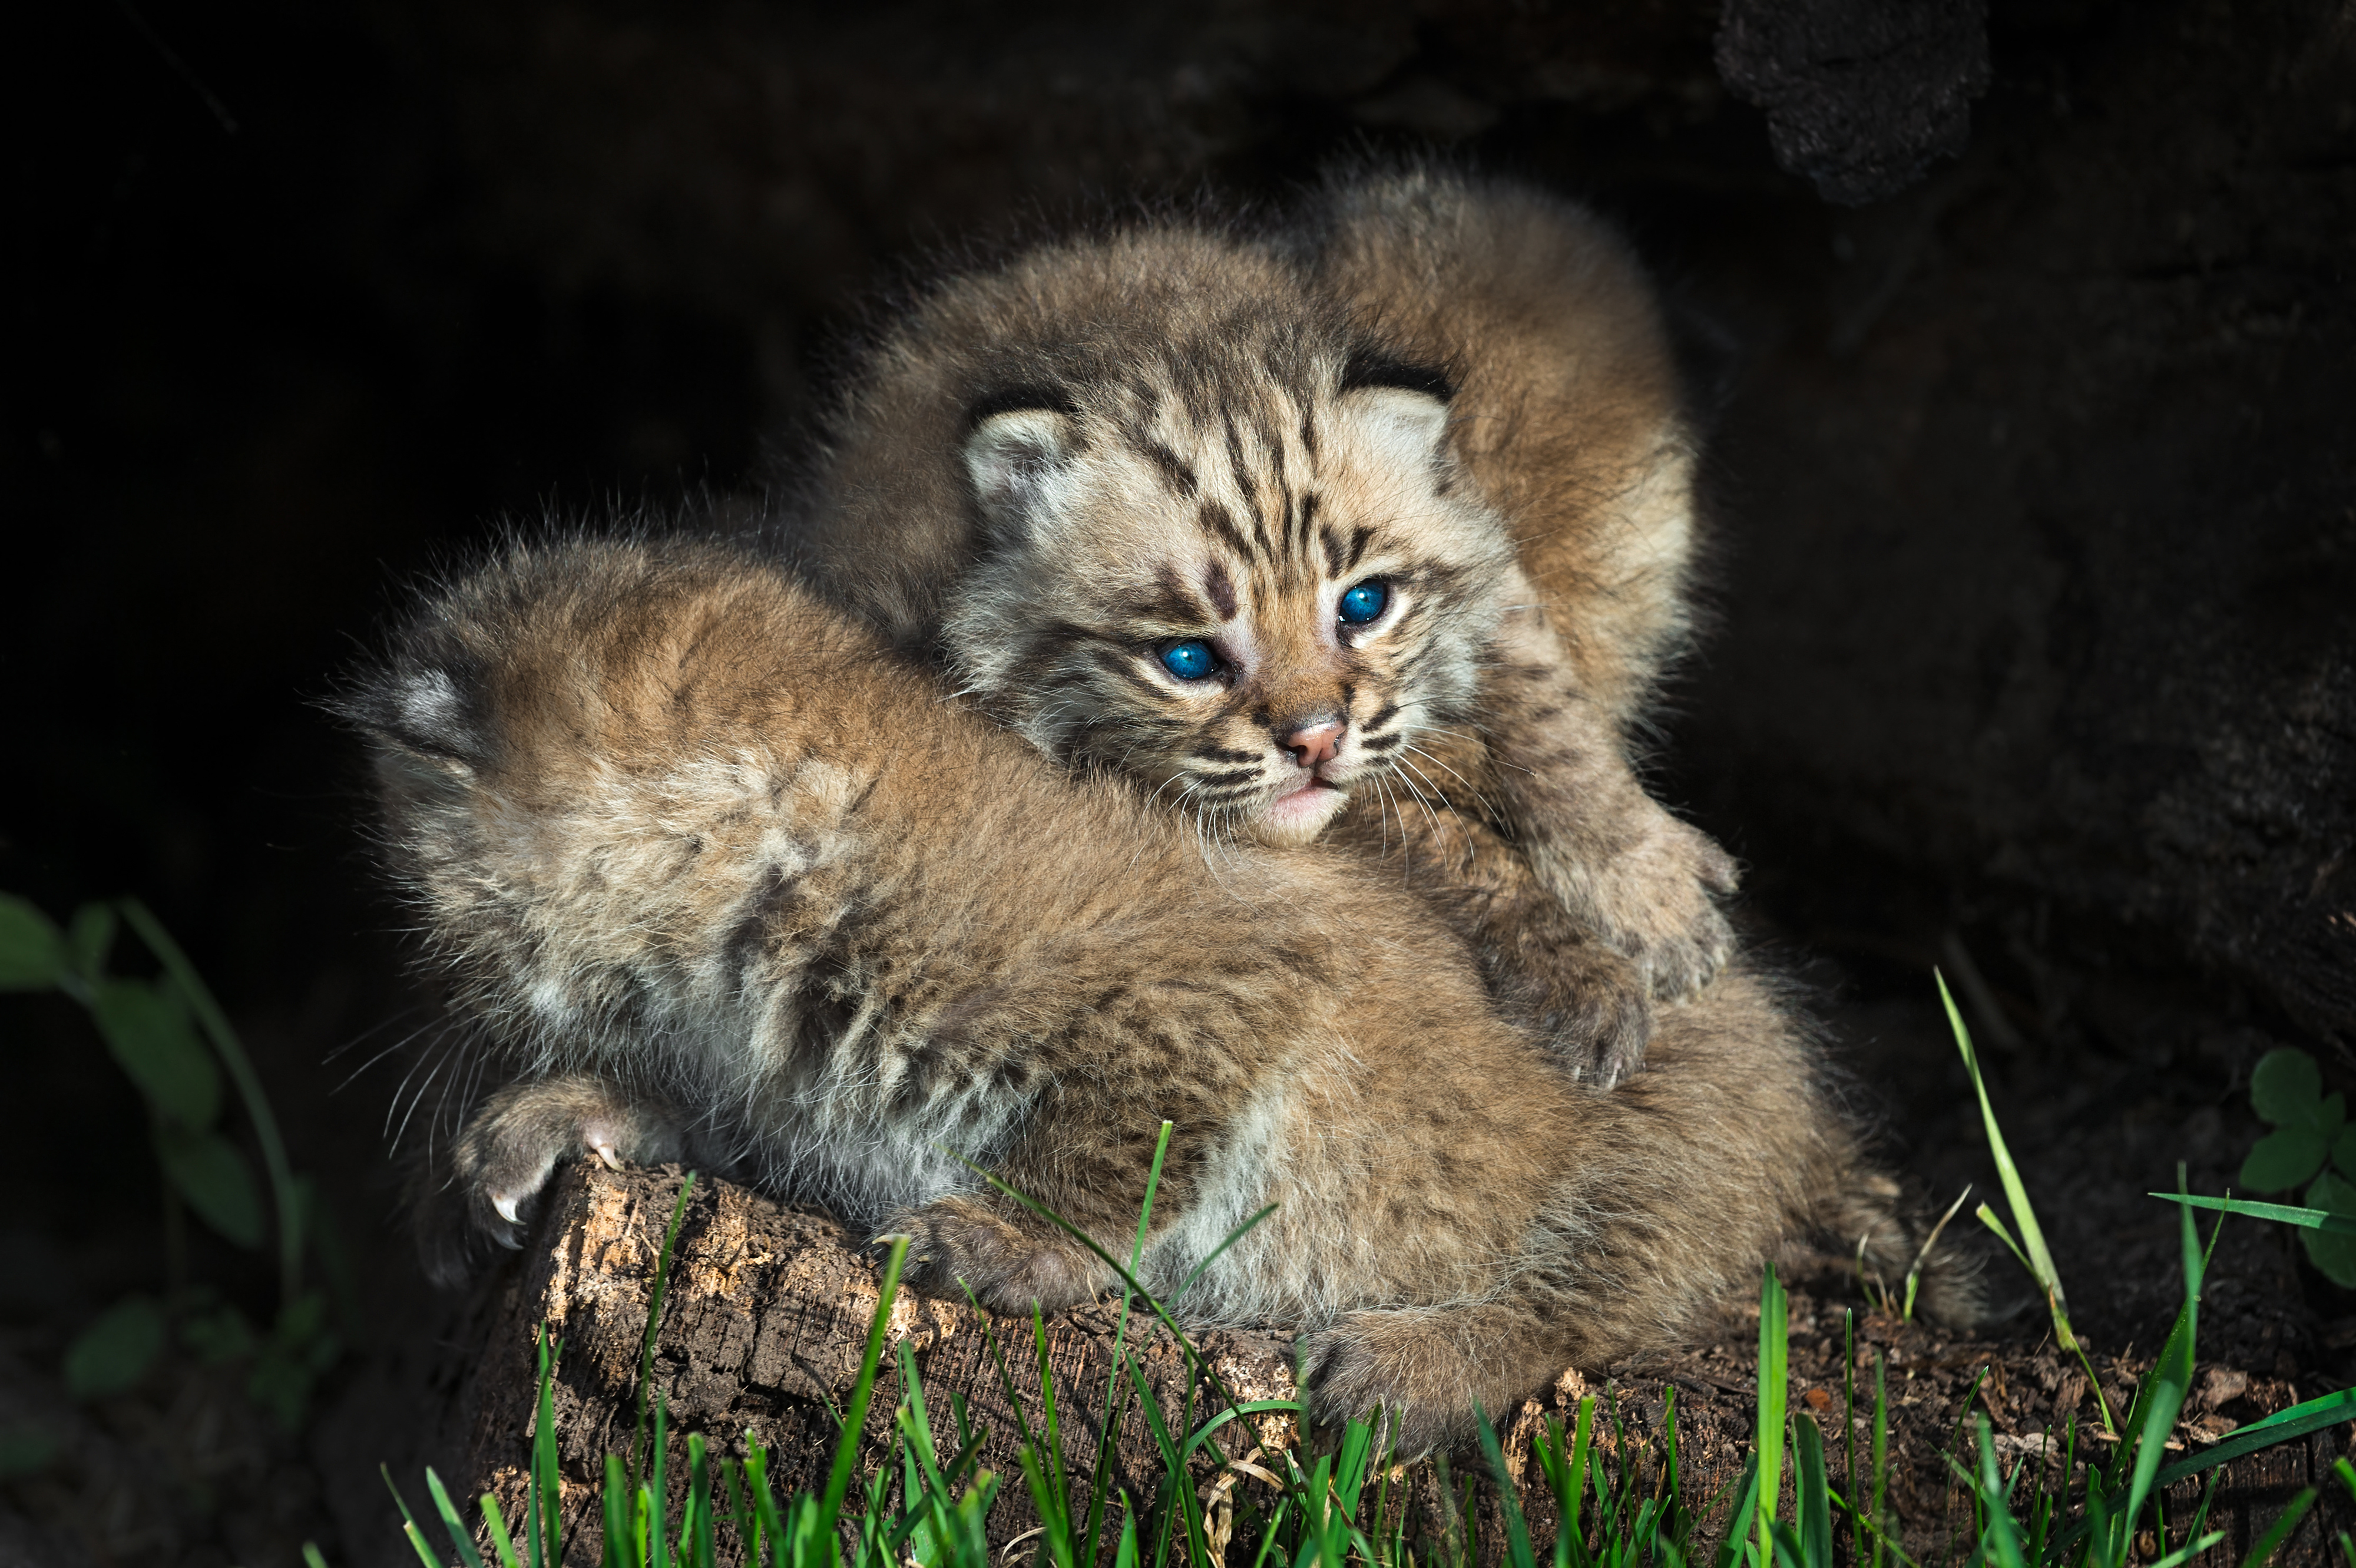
[[734, 884], [1396, 504]]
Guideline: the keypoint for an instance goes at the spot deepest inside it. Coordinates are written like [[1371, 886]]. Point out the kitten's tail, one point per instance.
[[1867, 1215]]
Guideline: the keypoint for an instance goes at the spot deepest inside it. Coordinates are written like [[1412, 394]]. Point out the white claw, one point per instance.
[[606, 1153], [506, 1205]]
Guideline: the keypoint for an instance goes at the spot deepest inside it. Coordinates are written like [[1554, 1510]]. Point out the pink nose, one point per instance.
[[1314, 744]]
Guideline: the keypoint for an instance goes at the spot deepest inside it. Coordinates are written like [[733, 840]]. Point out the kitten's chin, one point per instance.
[[1293, 819]]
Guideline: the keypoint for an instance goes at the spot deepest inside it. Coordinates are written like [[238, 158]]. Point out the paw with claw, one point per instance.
[[512, 1145], [1010, 1263]]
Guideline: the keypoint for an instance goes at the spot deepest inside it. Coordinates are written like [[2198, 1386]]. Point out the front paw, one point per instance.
[[956, 1244], [509, 1148], [1656, 902], [1589, 1004]]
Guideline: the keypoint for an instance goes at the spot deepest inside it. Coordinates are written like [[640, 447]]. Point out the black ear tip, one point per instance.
[[1371, 366], [1016, 399]]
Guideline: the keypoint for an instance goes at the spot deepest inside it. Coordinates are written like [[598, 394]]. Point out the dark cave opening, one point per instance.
[[2034, 500]]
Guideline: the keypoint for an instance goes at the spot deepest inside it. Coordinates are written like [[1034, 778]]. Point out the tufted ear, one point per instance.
[[1409, 427], [1012, 457]]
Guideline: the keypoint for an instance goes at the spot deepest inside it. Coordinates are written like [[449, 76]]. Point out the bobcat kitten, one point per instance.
[[722, 878], [1398, 504]]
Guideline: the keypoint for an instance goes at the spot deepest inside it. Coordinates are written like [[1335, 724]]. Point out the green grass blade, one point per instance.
[[2001, 1540], [2194, 1545], [616, 1503], [1518, 1529], [408, 1520], [2162, 1393], [1746, 1509], [2281, 1427], [1581, 1455], [654, 1323], [658, 1543], [2024, 1216], [2262, 1551], [846, 1452], [1849, 1427], [1815, 1519], [311, 1557], [2306, 1218], [1775, 1387], [1179, 1495], [1116, 1393], [1881, 1452], [459, 1535], [1056, 1532], [545, 1518], [1052, 1462], [697, 1547], [495, 1525]]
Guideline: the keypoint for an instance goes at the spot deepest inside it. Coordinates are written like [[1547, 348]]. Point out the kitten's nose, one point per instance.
[[1314, 744]]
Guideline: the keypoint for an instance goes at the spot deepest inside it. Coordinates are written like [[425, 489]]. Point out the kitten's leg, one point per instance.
[[1087, 1158], [1588, 1003], [1431, 1372], [1619, 860], [1010, 1258], [485, 1188]]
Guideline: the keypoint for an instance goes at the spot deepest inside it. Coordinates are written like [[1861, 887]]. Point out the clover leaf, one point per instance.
[[2311, 1127]]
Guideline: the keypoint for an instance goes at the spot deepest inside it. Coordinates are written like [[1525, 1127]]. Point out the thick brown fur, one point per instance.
[[722, 878], [1053, 471]]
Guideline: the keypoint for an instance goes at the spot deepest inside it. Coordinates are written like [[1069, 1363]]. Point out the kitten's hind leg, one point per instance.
[[484, 1190], [1008, 1257], [1429, 1374]]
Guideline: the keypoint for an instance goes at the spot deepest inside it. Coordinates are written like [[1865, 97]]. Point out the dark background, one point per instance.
[[2034, 487]]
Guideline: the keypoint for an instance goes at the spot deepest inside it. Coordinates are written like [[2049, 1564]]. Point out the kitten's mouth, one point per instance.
[[1298, 815]]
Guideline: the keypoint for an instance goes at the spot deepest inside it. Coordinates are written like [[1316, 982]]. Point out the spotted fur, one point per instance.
[[718, 876], [1054, 472]]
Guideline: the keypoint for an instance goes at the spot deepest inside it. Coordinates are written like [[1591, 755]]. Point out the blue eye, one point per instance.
[[1190, 660], [1365, 602]]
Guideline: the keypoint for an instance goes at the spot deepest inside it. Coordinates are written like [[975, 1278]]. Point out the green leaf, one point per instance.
[[148, 1029], [2343, 1153], [90, 937], [2332, 1253], [2331, 1115], [2283, 1159], [33, 956], [116, 1352], [214, 1177], [2286, 1088]]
